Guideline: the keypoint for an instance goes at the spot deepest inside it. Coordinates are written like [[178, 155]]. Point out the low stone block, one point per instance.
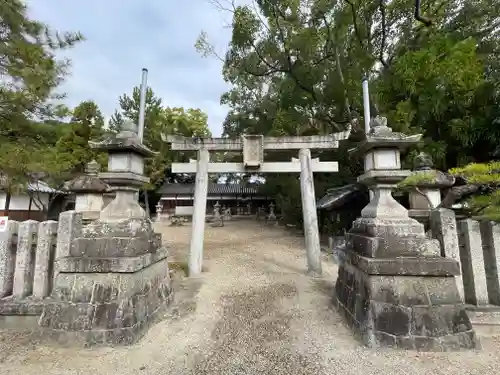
[[388, 228]]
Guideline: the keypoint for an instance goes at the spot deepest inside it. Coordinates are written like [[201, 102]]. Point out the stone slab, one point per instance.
[[409, 266], [109, 265]]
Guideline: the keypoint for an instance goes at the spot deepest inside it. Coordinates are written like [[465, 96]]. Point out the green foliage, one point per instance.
[[159, 120], [417, 179], [73, 148], [28, 65], [29, 107], [295, 68]]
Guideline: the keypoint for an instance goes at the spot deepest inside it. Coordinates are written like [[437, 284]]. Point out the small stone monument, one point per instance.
[[218, 220], [159, 211], [261, 213], [249, 208], [394, 288], [89, 192], [115, 279], [227, 214], [271, 218]]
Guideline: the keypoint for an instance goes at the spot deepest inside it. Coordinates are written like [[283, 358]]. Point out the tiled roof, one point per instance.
[[41, 187], [213, 189]]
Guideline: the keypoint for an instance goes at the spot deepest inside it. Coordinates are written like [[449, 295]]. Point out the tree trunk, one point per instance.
[[6, 208], [146, 203]]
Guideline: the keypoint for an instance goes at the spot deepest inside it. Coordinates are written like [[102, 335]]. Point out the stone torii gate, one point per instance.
[[253, 147]]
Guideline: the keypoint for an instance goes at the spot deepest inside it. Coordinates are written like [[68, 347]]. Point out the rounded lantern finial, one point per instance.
[[423, 161]]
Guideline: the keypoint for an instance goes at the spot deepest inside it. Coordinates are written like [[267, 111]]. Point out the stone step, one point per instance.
[[485, 320]]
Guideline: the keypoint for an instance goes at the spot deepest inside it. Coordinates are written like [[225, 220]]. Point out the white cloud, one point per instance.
[[123, 36]]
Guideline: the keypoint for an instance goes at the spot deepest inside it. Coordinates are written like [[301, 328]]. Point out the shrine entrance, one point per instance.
[[252, 147]]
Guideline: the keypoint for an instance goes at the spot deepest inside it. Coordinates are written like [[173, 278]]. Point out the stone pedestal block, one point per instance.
[[110, 286], [397, 291], [107, 308], [422, 312]]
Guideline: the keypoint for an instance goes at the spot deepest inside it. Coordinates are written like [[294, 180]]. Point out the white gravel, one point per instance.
[[252, 312]]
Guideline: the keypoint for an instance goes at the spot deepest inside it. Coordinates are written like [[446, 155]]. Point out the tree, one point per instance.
[[158, 122], [30, 73], [28, 65], [295, 68], [73, 148]]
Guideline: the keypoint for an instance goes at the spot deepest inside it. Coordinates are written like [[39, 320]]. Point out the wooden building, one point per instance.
[[41, 202], [177, 199]]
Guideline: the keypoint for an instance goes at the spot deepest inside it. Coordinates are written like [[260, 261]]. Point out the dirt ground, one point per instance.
[[253, 311]]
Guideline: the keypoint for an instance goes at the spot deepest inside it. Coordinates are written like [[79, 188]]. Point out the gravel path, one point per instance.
[[252, 312]]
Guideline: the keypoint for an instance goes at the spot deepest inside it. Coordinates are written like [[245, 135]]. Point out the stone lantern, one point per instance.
[[89, 192], [427, 193], [393, 286], [115, 278]]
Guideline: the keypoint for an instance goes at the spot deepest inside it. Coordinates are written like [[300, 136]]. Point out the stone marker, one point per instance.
[[25, 259], [45, 257], [471, 254], [69, 228], [218, 220], [394, 289], [8, 249], [490, 232]]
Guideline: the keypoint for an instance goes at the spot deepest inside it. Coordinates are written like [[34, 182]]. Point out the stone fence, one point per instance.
[[27, 256]]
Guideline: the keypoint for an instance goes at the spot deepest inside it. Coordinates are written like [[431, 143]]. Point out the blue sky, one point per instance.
[[123, 36]]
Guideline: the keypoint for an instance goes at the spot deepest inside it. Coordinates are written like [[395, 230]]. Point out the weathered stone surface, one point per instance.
[[44, 260], [388, 227], [25, 258], [25, 306], [8, 249]]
